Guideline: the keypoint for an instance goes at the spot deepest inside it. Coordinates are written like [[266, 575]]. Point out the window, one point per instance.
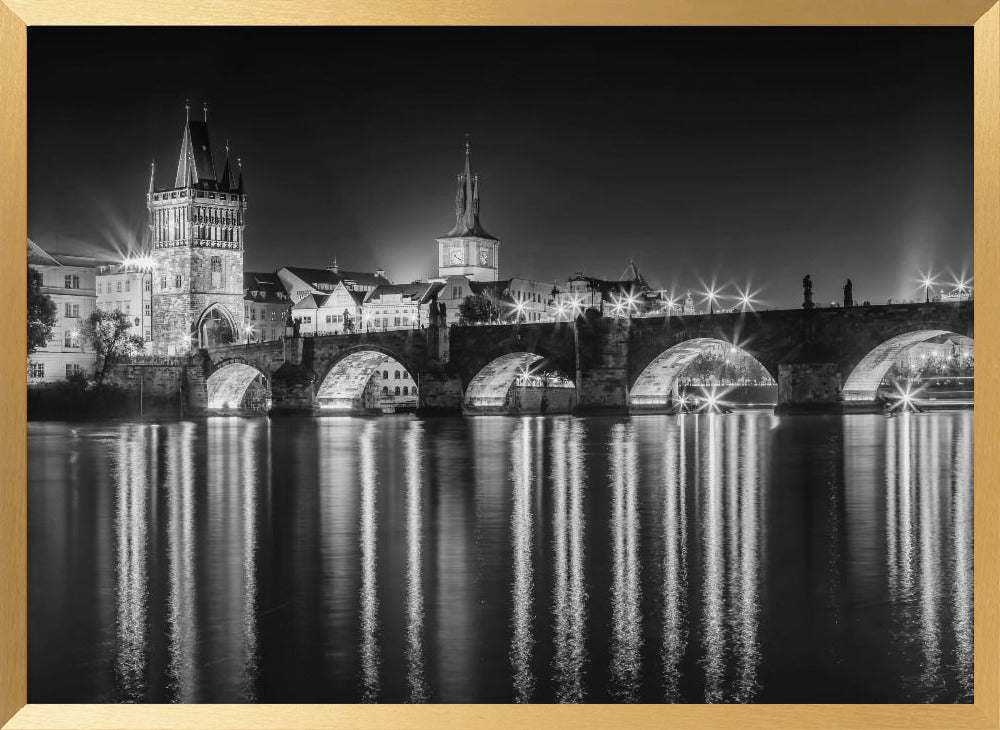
[[128, 285], [385, 388], [163, 282], [385, 375], [216, 272], [37, 370], [73, 368], [397, 390], [118, 285], [406, 390], [253, 313], [307, 319], [99, 285], [70, 339], [406, 375], [178, 281], [72, 282], [147, 310], [147, 285], [128, 307], [397, 375], [396, 322], [149, 336], [72, 310]]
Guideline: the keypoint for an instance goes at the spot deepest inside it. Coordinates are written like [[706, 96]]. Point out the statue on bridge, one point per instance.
[[848, 294], [807, 290]]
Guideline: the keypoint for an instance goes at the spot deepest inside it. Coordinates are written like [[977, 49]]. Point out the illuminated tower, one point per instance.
[[467, 249], [197, 231]]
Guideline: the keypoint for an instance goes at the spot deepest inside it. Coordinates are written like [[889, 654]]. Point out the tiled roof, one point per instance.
[[421, 291], [315, 277], [264, 287]]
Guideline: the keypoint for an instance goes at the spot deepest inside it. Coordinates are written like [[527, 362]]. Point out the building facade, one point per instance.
[[266, 306], [300, 281], [400, 306], [69, 281], [390, 389], [338, 312], [197, 229], [128, 288], [467, 249]]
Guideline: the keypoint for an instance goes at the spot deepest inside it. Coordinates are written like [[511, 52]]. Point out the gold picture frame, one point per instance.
[[16, 15]]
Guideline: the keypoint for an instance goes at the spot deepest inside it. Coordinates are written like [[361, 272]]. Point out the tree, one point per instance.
[[109, 335], [41, 312], [478, 309]]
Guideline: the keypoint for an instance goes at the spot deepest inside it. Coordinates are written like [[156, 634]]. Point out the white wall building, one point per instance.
[[69, 281], [400, 306], [128, 288], [332, 313]]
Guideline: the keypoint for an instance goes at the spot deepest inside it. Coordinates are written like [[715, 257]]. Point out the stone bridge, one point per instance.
[[822, 359]]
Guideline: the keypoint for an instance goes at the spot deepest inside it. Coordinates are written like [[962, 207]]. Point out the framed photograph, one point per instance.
[[294, 445]]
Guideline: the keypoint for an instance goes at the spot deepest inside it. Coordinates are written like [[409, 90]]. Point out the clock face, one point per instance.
[[484, 256], [456, 256]]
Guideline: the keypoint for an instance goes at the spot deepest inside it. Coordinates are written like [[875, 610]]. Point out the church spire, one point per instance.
[[467, 201], [152, 176], [195, 163], [226, 183]]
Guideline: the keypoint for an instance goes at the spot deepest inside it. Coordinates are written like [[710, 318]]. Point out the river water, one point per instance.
[[709, 558]]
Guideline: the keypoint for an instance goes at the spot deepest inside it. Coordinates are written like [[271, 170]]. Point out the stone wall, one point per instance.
[[439, 393], [162, 384], [808, 386]]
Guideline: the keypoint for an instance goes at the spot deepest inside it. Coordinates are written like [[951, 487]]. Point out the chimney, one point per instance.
[[380, 272], [334, 267]]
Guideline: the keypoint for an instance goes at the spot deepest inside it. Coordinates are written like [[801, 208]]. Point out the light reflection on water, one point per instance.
[[723, 558]]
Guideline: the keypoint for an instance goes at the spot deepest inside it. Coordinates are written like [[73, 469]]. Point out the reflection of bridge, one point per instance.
[[821, 358]]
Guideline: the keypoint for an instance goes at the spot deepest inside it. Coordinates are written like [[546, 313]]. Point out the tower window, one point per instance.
[[178, 281], [216, 272], [163, 282], [147, 285]]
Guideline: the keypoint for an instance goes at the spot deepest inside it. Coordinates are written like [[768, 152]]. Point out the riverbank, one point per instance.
[[77, 400]]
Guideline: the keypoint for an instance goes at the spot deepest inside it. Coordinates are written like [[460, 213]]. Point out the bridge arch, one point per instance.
[[658, 383], [543, 388], [866, 376], [229, 384], [345, 385]]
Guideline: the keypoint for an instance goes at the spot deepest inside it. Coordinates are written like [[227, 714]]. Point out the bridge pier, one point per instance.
[[440, 393], [813, 387], [293, 389]]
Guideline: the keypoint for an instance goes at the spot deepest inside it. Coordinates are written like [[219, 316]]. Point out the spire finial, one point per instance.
[[227, 148], [204, 109], [152, 174], [187, 110], [468, 147]]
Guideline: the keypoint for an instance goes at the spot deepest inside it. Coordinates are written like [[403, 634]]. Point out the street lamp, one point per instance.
[[927, 281], [712, 295]]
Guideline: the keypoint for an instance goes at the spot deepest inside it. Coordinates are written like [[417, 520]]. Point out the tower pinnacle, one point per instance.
[[187, 110]]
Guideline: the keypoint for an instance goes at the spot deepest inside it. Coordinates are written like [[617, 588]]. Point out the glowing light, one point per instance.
[[711, 400], [927, 281], [906, 398], [747, 299], [139, 263]]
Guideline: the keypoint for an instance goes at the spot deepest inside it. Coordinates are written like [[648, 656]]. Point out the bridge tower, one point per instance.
[[197, 238], [467, 249]]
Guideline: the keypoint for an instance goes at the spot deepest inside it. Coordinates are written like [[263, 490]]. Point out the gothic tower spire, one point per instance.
[[467, 249]]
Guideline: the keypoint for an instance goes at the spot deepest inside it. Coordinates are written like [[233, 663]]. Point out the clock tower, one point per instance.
[[467, 249]]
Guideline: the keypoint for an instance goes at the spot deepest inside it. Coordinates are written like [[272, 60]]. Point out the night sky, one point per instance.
[[736, 154]]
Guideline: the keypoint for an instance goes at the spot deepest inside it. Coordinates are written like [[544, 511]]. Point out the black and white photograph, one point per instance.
[[500, 365]]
